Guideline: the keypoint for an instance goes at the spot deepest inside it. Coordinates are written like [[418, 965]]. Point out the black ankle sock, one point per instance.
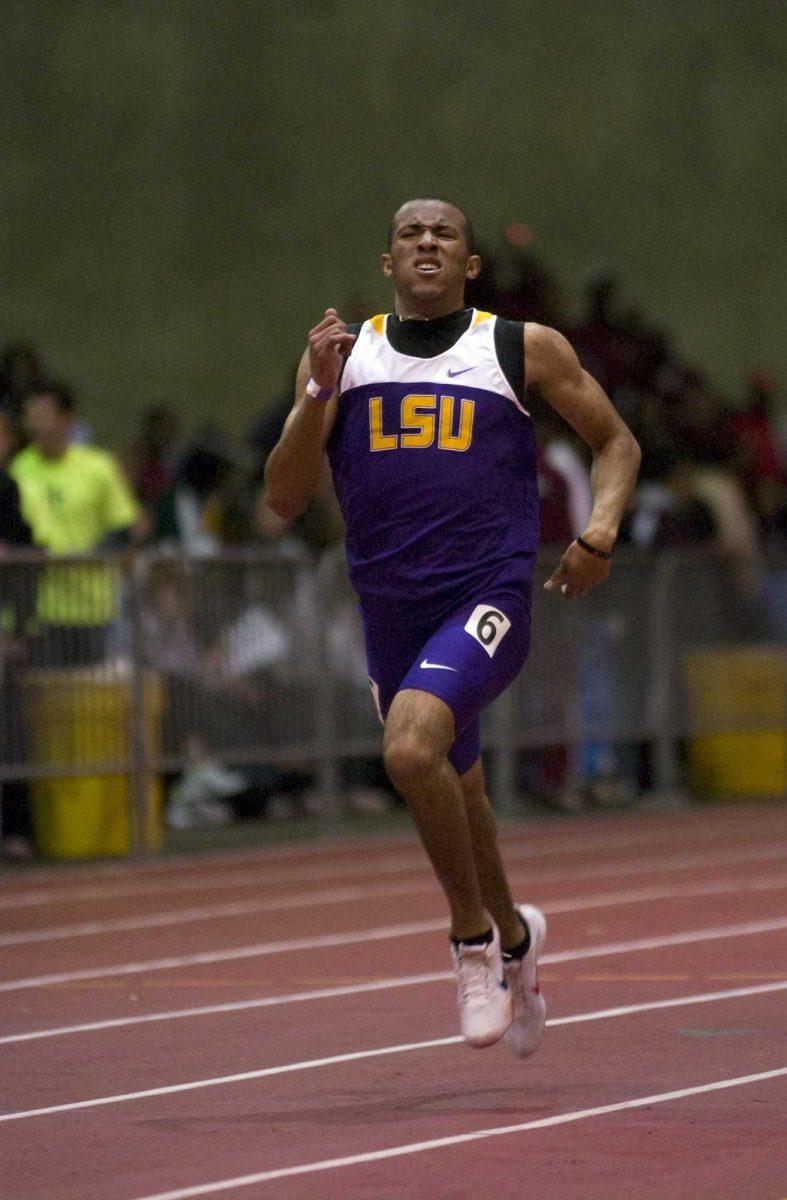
[[521, 950], [482, 939]]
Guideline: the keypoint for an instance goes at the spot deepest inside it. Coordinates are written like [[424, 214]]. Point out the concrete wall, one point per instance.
[[185, 184]]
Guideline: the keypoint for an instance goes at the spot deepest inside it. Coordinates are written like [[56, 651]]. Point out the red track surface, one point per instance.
[[719, 875]]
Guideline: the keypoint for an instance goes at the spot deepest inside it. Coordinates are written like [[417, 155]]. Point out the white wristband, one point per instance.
[[314, 390]]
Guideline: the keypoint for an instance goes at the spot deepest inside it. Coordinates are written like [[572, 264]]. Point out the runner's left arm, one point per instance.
[[551, 364]]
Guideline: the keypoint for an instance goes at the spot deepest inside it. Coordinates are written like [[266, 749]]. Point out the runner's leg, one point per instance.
[[419, 732], [495, 891]]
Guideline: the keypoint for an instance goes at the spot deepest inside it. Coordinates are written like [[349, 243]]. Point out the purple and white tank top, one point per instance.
[[434, 465]]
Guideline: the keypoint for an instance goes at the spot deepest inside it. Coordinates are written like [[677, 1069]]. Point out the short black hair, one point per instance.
[[469, 232], [61, 393]]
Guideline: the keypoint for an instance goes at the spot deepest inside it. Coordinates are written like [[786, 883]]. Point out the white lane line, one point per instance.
[[332, 993], [261, 876], [653, 864], [311, 1064], [186, 916], [693, 827], [237, 953], [689, 937], [352, 894], [625, 1010], [331, 1164], [353, 989], [380, 891], [129, 886], [168, 864], [377, 934]]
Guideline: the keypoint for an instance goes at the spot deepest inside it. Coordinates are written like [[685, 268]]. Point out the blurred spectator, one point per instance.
[[191, 684], [736, 529], [761, 457], [75, 500], [667, 513], [20, 367], [703, 433], [519, 286], [555, 517], [598, 339], [266, 430], [14, 530], [709, 475], [209, 502], [545, 774], [15, 821], [534, 294], [595, 771], [236, 676], [560, 452], [654, 435], [699, 422], [151, 461]]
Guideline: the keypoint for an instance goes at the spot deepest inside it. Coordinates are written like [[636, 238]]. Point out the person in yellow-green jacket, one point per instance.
[[75, 500]]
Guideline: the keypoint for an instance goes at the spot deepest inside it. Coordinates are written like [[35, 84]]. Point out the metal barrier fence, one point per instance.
[[136, 665]]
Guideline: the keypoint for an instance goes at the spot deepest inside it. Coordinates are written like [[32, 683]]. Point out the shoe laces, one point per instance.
[[476, 977]]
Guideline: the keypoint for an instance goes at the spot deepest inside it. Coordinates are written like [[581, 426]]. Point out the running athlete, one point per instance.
[[423, 416]]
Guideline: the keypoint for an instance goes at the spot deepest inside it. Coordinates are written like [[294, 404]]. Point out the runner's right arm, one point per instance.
[[294, 466]]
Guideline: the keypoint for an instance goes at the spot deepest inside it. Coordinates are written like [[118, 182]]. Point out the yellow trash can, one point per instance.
[[737, 706], [81, 716]]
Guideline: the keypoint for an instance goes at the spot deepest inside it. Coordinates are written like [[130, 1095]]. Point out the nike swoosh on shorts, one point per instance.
[[427, 666]]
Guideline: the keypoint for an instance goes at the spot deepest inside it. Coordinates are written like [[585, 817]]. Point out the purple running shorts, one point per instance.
[[467, 659]]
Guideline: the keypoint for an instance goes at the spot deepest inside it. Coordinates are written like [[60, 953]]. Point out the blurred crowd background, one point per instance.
[[178, 210], [713, 461], [713, 476]]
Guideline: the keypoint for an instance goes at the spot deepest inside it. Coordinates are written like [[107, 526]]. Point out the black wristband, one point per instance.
[[594, 550]]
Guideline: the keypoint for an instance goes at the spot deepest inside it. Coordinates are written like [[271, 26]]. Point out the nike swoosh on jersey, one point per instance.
[[427, 666], [464, 370]]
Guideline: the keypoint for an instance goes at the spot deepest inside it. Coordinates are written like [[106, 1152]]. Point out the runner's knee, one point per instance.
[[409, 759]]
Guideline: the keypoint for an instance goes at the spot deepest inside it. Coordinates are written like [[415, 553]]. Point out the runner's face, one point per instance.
[[428, 260]]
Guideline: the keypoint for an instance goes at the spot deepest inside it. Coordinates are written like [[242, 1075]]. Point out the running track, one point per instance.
[[280, 1025]]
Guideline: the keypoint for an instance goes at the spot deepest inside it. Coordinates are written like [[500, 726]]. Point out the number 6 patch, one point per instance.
[[488, 626]]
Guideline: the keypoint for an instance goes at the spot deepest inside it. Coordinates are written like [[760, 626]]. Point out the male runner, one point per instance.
[[423, 416]]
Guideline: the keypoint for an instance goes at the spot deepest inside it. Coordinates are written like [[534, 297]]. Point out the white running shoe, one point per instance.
[[485, 1006], [530, 1012]]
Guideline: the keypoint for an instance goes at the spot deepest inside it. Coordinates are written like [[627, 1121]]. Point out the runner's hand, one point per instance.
[[577, 572], [329, 344]]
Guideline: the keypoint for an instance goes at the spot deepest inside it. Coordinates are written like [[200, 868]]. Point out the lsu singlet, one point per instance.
[[433, 462]]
